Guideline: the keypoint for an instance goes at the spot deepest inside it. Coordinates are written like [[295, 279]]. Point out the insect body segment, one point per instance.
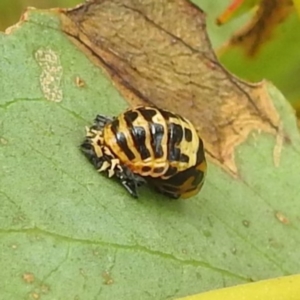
[[130, 137], [148, 144]]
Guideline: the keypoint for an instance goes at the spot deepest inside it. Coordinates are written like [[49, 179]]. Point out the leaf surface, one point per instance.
[[175, 69], [67, 232]]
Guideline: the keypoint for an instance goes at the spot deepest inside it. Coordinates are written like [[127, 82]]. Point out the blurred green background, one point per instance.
[[10, 11]]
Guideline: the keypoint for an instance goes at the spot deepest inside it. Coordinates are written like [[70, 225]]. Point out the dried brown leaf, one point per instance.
[[158, 52]]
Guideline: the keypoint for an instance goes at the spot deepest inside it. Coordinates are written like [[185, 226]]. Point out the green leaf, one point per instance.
[[69, 233]]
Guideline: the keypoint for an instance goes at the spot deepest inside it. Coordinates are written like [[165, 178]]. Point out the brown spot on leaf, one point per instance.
[[35, 296], [107, 278], [281, 218], [28, 277], [246, 223], [79, 82], [269, 14], [159, 53]]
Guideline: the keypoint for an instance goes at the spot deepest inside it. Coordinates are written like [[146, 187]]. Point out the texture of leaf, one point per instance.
[[68, 233], [172, 69]]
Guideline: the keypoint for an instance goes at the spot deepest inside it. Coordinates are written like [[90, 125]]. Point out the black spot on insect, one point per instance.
[[184, 158], [147, 113], [188, 134], [146, 169], [157, 133], [115, 126], [179, 178], [167, 115], [121, 140], [200, 152], [174, 154], [130, 116], [138, 134], [158, 170], [171, 171], [175, 135]]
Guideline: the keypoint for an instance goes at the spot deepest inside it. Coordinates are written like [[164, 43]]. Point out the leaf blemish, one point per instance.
[[35, 296], [28, 277], [79, 82], [281, 218], [246, 223], [107, 278], [52, 71]]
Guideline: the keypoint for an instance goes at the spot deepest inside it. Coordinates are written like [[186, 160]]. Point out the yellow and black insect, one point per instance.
[[147, 144]]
